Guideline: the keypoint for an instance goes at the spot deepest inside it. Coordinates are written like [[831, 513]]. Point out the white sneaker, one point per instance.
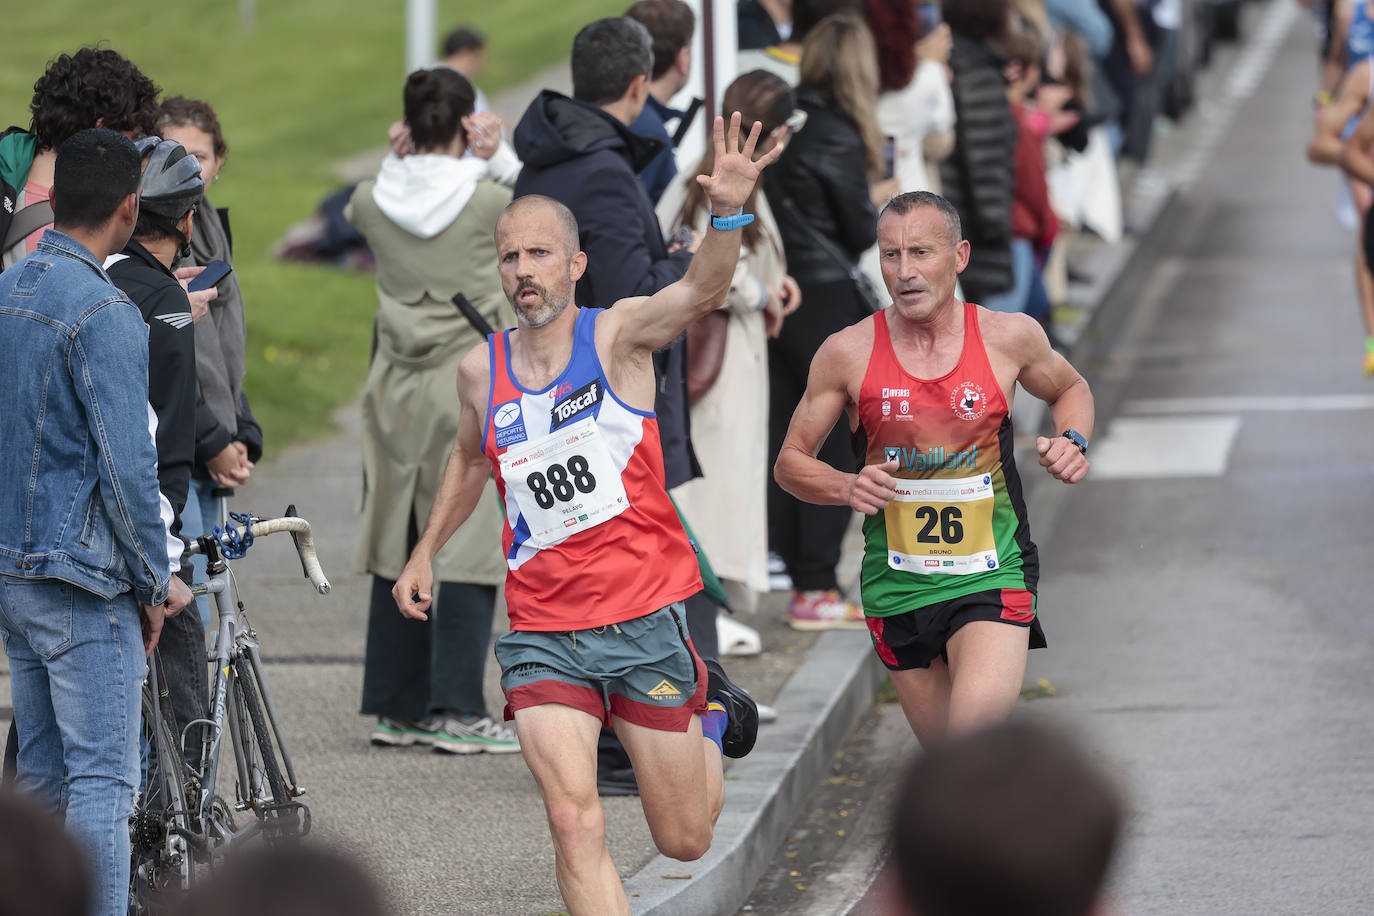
[[479, 736], [735, 638]]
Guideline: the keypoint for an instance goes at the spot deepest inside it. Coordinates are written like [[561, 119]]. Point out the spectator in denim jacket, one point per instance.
[[82, 543]]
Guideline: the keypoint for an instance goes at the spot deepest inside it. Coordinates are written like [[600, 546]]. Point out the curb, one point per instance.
[[817, 707]]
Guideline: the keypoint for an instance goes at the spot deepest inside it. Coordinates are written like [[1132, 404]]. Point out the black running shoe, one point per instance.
[[740, 709]]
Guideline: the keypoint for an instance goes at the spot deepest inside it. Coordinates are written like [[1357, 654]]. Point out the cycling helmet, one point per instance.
[[171, 180]]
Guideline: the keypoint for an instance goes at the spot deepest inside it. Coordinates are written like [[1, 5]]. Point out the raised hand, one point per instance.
[[736, 170]]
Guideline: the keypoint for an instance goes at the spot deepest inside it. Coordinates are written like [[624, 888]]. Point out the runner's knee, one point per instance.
[[578, 827], [685, 843]]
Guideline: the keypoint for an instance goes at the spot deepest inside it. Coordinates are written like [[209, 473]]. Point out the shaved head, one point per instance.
[[538, 257], [532, 203]]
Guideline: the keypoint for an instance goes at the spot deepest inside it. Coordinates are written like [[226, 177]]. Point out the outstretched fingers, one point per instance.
[[752, 140], [733, 143]]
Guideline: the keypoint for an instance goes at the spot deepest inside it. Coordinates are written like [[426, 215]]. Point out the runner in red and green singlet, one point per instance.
[[949, 571]]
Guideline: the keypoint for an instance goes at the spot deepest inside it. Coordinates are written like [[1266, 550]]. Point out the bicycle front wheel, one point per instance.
[[266, 792]]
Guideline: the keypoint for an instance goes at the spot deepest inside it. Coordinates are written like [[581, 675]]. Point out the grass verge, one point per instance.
[[313, 82]]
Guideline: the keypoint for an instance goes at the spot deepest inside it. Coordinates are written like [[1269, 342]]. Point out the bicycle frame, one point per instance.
[[192, 821], [235, 640]]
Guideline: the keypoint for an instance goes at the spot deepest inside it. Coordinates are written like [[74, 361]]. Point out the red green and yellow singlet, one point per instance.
[[958, 523]]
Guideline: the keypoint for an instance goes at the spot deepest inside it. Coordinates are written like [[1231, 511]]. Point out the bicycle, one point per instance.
[[179, 821]]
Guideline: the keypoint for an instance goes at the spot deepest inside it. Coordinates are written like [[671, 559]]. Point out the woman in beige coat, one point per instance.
[[429, 217], [727, 505]]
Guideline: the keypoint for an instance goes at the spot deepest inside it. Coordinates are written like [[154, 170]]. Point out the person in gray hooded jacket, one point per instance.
[[228, 438]]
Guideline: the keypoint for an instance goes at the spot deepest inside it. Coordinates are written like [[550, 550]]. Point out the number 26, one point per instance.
[[951, 529]]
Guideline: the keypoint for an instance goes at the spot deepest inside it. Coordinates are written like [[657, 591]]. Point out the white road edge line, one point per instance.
[[1248, 404]]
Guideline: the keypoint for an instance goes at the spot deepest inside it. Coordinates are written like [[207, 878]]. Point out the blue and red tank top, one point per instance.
[[958, 523], [591, 537]]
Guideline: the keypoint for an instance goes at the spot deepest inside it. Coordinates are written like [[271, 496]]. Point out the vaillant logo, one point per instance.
[[932, 459]]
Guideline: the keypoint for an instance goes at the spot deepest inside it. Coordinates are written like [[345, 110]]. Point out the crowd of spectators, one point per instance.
[[1023, 113], [1026, 114]]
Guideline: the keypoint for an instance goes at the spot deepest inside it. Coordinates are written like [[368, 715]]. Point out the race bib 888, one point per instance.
[[564, 483]]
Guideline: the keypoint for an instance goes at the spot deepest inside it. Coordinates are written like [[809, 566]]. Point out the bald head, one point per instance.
[[537, 207], [538, 258]]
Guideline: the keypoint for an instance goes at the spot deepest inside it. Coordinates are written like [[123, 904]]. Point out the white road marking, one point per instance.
[[1144, 448], [1245, 403]]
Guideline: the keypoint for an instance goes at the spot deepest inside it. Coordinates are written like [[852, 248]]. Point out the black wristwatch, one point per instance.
[[1076, 438]]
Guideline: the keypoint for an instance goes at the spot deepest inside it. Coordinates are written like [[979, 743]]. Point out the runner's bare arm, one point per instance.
[[1351, 95], [461, 486], [798, 471], [647, 323], [1047, 375], [1355, 158]]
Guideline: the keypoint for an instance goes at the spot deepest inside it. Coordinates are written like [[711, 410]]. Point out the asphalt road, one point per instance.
[[1207, 591]]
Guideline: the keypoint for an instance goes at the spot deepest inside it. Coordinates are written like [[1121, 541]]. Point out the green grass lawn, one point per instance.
[[315, 81]]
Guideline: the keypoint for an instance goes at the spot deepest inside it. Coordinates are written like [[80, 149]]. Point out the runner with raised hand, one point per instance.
[[561, 410]]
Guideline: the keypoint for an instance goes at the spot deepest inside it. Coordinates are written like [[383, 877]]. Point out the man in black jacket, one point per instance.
[[978, 176], [581, 152], [171, 188]]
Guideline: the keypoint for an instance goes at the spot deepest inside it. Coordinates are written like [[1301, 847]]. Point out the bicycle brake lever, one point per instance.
[[295, 539]]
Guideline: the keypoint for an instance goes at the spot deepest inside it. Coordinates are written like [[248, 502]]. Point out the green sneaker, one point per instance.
[[404, 732], [475, 736]]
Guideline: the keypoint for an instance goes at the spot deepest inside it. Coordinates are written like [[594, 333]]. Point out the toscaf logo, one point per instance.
[[968, 401], [576, 402]]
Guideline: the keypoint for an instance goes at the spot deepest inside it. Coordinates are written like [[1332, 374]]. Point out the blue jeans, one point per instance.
[[1023, 269], [198, 517], [76, 671]]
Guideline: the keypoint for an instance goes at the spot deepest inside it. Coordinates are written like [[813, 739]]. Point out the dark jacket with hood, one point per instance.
[[171, 365], [579, 155], [978, 177]]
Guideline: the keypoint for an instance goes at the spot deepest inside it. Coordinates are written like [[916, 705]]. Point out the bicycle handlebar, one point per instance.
[[305, 545]]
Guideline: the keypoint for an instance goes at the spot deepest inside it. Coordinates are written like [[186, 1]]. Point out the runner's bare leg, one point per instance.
[[924, 695], [987, 665], [681, 785], [559, 746]]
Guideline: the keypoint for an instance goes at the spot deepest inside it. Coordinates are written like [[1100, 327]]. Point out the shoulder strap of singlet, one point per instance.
[[584, 329], [882, 352], [880, 332], [500, 358]]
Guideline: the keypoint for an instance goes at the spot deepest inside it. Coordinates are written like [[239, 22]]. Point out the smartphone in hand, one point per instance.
[[214, 272], [928, 14]]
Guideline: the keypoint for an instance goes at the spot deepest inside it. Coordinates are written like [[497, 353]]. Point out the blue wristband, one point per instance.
[[726, 223]]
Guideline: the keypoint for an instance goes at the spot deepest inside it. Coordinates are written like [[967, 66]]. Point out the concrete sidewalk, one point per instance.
[[467, 834]]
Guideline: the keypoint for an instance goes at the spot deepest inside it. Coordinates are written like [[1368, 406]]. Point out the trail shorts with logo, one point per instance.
[[643, 670], [917, 638]]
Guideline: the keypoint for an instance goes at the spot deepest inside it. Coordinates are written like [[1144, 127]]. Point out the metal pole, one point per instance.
[[420, 34], [248, 16]]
